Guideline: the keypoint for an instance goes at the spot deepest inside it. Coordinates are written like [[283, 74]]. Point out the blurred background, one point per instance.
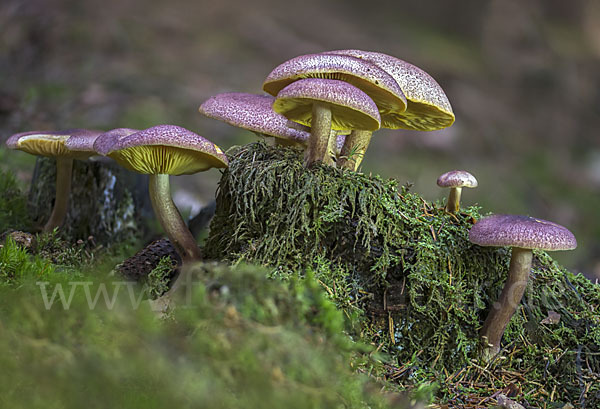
[[523, 78]]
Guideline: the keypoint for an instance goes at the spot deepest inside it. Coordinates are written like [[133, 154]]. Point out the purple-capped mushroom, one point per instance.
[[64, 146], [456, 180], [255, 113], [161, 151], [324, 105], [523, 234], [427, 106]]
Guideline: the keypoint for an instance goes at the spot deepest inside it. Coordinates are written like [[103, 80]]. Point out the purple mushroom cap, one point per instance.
[[105, 141], [374, 81], [166, 149], [428, 106], [457, 178], [350, 107], [254, 113], [521, 231], [83, 141]]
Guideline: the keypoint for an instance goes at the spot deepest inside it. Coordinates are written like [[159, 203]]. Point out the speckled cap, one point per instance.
[[254, 113], [457, 178], [521, 231], [350, 107], [166, 149], [105, 141], [372, 80], [428, 108], [69, 143]]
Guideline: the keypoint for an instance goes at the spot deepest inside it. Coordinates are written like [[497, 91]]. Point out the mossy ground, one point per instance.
[[242, 339], [406, 268]]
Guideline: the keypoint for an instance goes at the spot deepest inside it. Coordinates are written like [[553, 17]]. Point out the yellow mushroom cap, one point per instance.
[[379, 85], [428, 108], [54, 143], [166, 149], [350, 107]]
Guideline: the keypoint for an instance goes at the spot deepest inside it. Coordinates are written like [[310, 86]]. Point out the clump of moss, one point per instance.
[[158, 280], [406, 266], [242, 341]]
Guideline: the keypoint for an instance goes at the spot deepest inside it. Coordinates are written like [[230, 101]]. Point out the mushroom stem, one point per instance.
[[319, 135], [331, 154], [454, 200], [170, 218], [354, 149], [64, 169], [512, 293]]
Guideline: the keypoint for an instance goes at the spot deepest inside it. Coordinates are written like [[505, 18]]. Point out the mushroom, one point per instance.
[[161, 151], [372, 80], [456, 180], [64, 146], [523, 234], [255, 113], [427, 107], [325, 105]]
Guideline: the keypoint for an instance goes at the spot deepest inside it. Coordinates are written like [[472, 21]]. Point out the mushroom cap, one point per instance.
[[350, 107], [372, 80], [457, 178], [104, 141], [428, 108], [254, 113], [56, 143], [521, 231], [166, 149]]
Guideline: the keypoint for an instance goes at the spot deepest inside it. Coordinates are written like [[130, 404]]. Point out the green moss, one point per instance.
[[242, 341], [157, 281], [16, 265], [406, 267]]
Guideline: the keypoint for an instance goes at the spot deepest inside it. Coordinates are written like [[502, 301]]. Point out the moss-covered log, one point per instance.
[[407, 267]]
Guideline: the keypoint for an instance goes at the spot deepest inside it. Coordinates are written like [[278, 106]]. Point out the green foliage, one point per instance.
[[404, 265], [241, 340], [17, 265], [157, 281], [13, 204]]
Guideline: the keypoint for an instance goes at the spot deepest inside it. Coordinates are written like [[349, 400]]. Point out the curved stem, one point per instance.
[[453, 204], [64, 170], [512, 293], [319, 134], [354, 149], [170, 219]]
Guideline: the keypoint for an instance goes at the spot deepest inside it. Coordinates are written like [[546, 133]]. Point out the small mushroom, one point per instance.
[[523, 234], [456, 180], [161, 151], [324, 105], [64, 146], [255, 113]]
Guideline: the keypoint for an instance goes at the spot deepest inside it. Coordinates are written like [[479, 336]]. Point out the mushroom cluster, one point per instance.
[[333, 93], [329, 104], [158, 151]]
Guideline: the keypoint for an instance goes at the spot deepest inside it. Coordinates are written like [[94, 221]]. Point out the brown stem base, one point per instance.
[[508, 302]]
